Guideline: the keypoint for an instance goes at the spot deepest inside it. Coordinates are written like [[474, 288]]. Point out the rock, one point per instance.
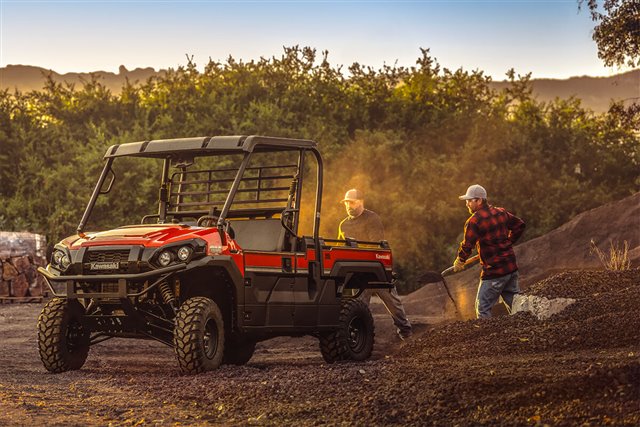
[[20, 244], [4, 288], [20, 256], [541, 307], [19, 286], [9, 271], [21, 263], [31, 273], [37, 286]]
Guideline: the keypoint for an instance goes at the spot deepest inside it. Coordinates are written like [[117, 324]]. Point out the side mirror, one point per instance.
[[110, 184]]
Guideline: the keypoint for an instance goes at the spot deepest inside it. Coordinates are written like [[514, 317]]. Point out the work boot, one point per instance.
[[405, 335]]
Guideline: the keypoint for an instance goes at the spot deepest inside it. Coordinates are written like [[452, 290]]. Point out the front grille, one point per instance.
[[118, 256], [108, 256], [108, 287]]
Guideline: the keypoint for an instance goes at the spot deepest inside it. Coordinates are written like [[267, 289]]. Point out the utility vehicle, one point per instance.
[[220, 266]]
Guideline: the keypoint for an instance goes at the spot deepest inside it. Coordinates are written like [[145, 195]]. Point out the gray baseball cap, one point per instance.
[[352, 194], [474, 192]]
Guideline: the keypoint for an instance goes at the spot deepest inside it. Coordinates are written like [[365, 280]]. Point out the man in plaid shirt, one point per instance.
[[492, 231]]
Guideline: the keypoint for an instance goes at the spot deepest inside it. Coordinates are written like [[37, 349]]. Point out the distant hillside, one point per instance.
[[596, 93], [27, 78]]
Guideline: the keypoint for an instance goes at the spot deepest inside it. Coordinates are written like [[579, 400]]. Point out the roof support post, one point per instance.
[[94, 196], [163, 196], [231, 195]]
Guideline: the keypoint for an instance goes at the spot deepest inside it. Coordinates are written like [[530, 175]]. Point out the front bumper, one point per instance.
[[73, 292]]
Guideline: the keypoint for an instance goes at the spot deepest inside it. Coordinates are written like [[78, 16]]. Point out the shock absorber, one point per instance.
[[167, 294]]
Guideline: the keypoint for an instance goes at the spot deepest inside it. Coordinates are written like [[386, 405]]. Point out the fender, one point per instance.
[[227, 264], [347, 269]]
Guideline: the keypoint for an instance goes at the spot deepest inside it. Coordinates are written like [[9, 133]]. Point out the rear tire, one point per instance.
[[354, 338], [63, 342], [198, 336]]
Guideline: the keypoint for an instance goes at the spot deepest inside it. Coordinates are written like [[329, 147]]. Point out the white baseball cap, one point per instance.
[[474, 192]]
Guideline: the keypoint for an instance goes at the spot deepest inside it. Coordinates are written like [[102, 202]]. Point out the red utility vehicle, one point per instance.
[[220, 267]]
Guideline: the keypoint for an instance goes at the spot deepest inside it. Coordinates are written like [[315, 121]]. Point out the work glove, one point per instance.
[[458, 265]]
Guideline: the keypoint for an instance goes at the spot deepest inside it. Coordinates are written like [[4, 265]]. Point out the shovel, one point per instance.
[[434, 277], [468, 263]]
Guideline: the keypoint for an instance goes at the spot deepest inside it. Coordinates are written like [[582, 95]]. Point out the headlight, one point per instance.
[[65, 261], [57, 257], [184, 253], [60, 259], [165, 258]]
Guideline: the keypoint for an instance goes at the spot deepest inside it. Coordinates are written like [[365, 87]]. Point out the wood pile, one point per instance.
[[20, 256]]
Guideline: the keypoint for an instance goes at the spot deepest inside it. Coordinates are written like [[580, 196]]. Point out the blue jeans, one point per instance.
[[490, 290]]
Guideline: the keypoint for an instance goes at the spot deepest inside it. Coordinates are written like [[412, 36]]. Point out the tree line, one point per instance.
[[412, 138]]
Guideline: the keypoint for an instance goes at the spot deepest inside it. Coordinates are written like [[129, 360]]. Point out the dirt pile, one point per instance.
[[568, 247], [581, 367]]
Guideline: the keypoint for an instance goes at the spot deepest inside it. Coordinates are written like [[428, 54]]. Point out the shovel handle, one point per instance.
[[468, 263]]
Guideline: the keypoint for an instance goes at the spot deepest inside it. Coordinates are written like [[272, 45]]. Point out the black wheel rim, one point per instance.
[[75, 332], [210, 339], [356, 334]]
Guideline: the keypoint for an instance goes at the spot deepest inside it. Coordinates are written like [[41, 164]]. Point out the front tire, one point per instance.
[[354, 338], [63, 342], [198, 335]]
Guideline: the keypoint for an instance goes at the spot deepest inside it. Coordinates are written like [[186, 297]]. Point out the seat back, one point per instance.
[[259, 234]]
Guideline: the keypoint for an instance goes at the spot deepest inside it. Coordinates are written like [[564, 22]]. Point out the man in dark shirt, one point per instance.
[[360, 223], [492, 231], [364, 225]]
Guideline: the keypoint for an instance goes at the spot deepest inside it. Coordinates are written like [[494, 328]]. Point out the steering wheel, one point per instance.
[[207, 221]]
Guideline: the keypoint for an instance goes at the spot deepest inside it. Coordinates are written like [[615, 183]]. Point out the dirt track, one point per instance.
[[580, 367]]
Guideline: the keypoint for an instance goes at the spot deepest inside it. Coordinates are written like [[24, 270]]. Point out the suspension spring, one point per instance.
[[167, 294]]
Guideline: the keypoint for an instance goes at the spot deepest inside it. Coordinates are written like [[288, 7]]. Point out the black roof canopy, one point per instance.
[[203, 146]]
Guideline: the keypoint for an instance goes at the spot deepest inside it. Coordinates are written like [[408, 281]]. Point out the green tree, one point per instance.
[[617, 32], [412, 138]]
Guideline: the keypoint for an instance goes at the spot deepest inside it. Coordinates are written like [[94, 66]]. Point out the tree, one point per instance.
[[617, 32]]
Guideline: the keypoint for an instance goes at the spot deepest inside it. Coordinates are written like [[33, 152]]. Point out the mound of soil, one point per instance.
[[580, 367]]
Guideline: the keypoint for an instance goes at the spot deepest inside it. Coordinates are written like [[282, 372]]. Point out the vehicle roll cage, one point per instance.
[[182, 152]]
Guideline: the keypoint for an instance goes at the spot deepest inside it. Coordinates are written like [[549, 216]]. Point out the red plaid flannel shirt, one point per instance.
[[493, 231]]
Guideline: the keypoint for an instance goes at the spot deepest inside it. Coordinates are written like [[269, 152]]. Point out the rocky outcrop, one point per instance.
[[20, 256]]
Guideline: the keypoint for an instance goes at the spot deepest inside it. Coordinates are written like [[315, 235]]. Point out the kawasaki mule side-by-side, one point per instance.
[[220, 266]]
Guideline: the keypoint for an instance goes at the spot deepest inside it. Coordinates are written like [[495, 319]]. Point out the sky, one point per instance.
[[548, 38]]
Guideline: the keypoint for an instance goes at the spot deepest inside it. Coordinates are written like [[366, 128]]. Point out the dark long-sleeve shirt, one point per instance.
[[365, 227], [493, 231]]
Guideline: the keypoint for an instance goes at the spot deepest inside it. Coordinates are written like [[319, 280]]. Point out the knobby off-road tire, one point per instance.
[[62, 340], [198, 336], [353, 340], [238, 351]]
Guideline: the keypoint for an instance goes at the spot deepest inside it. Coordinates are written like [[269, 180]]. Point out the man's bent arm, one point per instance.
[[517, 226], [469, 241]]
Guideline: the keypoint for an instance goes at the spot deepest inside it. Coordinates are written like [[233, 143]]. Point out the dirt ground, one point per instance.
[[581, 367]]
